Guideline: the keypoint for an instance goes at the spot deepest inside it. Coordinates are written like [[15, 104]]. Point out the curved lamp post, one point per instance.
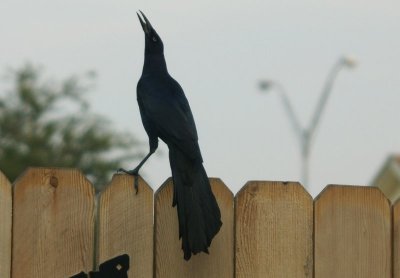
[[305, 135]]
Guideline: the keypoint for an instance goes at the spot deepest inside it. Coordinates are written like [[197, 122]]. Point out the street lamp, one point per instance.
[[305, 135]]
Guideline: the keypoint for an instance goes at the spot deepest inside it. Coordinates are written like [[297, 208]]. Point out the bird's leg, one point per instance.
[[135, 172]]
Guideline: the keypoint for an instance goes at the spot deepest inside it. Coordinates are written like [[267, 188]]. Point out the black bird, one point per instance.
[[166, 114]]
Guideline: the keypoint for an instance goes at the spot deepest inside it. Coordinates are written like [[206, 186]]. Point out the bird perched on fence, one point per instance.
[[166, 114]]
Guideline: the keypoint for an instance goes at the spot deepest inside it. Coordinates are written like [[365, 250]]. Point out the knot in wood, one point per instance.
[[54, 182]]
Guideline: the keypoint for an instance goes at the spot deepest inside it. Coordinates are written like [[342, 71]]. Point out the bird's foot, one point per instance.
[[135, 173]]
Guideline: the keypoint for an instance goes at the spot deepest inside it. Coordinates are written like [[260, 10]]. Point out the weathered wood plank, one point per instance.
[[274, 228], [126, 224], [5, 226], [396, 239], [169, 260], [53, 223], [352, 233]]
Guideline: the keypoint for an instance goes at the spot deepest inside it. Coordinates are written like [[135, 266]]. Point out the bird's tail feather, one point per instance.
[[198, 212]]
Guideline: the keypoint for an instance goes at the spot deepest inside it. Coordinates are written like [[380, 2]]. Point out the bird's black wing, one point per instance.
[[164, 107]]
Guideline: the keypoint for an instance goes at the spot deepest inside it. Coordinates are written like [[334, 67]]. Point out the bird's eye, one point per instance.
[[154, 39]]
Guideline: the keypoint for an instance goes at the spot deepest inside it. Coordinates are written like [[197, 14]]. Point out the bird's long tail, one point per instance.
[[198, 212]]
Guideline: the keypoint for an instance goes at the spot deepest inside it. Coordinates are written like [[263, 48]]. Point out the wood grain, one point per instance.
[[396, 239], [53, 224], [169, 260], [274, 227], [5, 226], [352, 233], [126, 224]]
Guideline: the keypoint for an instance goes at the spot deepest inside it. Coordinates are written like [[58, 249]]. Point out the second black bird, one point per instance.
[[166, 114]]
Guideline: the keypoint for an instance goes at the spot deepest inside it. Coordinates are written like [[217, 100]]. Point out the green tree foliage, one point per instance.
[[49, 124]]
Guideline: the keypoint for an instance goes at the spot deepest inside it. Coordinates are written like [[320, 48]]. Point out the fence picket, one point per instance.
[[5, 226], [274, 227], [169, 260], [126, 224], [396, 239], [352, 233], [53, 217]]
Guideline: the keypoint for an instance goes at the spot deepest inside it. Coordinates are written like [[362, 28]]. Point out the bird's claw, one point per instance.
[[135, 174], [136, 183]]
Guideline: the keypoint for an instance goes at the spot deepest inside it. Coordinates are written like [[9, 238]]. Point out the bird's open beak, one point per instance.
[[145, 23]]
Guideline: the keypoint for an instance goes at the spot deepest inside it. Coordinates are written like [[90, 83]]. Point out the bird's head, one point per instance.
[[153, 41]]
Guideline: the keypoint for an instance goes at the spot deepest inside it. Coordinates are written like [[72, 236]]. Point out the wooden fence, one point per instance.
[[53, 225]]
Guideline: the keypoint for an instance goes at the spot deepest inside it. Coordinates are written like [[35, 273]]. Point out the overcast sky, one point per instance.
[[217, 51]]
